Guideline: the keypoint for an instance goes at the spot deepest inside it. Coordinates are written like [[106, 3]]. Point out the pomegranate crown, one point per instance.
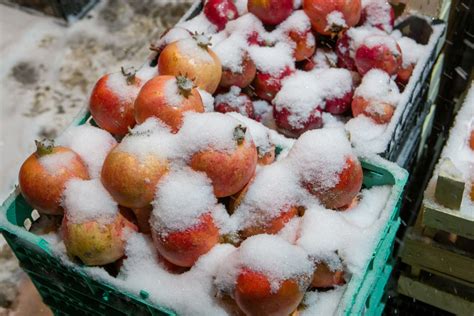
[[239, 134], [185, 85], [44, 147], [202, 40], [130, 74]]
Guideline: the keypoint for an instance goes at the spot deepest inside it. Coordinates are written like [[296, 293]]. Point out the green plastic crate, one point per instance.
[[69, 290]]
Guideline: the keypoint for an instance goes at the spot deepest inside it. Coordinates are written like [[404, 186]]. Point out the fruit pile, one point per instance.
[[298, 67], [215, 213]]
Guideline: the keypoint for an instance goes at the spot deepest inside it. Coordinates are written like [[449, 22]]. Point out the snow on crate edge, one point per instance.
[[379, 144], [458, 151]]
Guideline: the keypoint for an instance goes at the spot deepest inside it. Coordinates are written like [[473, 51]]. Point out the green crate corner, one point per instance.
[[69, 290]]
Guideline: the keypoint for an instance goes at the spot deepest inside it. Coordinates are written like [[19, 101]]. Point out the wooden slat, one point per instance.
[[447, 220], [434, 296], [423, 252]]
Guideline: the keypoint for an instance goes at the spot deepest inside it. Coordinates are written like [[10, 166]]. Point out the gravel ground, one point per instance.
[[46, 74]]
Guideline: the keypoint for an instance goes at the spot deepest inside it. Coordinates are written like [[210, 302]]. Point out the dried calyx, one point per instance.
[[130, 74], [202, 40], [185, 85], [239, 134], [44, 147]]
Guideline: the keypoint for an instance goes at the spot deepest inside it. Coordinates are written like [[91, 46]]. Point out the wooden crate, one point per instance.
[[440, 268]]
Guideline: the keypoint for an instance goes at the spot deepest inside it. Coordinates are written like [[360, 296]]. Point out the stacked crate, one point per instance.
[[439, 251]]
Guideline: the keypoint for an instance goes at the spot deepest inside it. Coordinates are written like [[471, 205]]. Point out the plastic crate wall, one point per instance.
[[417, 106]]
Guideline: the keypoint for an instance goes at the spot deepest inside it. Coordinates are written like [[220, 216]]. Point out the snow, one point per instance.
[[172, 94], [298, 22], [411, 51], [87, 200], [117, 84], [458, 151], [325, 58], [204, 131], [303, 92], [190, 48], [92, 144], [259, 132], [55, 163], [378, 14], [378, 86], [190, 293], [335, 18], [275, 189], [241, 6], [382, 40], [272, 60], [207, 100], [149, 138], [175, 34], [322, 303], [231, 52], [182, 197], [319, 156], [358, 34], [235, 99]]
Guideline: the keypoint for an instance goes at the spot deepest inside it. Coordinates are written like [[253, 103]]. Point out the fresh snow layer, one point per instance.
[[87, 200], [55, 163], [457, 150], [182, 197], [92, 144], [270, 255]]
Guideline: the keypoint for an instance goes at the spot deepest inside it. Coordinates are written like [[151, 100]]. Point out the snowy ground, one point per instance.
[[48, 70]]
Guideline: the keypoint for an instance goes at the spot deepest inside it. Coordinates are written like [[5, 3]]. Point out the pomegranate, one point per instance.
[[379, 14], [131, 177], [261, 285], [340, 182], [267, 86], [234, 101], [324, 277], [377, 104], [348, 186], [143, 218], [229, 172], [95, 244], [184, 247], [111, 101], [167, 98], [343, 51], [329, 17], [93, 228], [254, 294], [286, 126], [305, 45], [378, 52], [271, 12], [270, 226], [219, 12], [43, 175], [194, 58], [240, 79]]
